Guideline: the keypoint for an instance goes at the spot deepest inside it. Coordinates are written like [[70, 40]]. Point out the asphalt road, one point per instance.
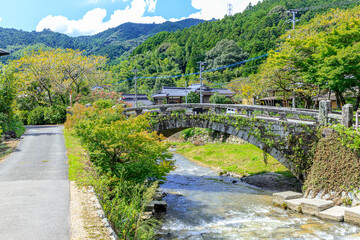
[[34, 187]]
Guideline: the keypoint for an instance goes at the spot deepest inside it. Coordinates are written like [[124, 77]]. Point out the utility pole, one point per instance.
[[230, 9], [201, 69], [293, 19], [135, 78], [185, 92]]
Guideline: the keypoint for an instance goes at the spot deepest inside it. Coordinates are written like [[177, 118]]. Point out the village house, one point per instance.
[[177, 95], [142, 100]]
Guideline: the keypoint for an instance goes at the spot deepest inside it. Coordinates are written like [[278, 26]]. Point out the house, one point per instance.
[[177, 95], [326, 97], [142, 100], [2, 52]]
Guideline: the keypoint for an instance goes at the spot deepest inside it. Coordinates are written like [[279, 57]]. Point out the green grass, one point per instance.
[[245, 159], [78, 159]]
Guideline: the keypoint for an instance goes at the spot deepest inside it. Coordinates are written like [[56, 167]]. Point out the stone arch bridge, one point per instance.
[[285, 134]]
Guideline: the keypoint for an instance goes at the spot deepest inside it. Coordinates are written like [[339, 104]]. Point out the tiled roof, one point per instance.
[[3, 52], [181, 92]]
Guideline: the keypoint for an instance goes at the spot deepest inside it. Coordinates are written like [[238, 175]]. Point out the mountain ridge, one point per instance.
[[113, 42]]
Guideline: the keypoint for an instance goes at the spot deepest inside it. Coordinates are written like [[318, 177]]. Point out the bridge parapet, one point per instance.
[[322, 117]]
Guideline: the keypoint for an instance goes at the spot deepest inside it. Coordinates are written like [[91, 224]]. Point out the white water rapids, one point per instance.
[[203, 205]]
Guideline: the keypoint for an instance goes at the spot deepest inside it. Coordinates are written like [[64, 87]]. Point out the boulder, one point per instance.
[[11, 134]]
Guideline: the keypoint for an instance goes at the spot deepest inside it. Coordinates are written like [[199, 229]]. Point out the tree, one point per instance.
[[49, 76], [193, 97], [224, 53], [8, 92], [220, 99], [323, 54]]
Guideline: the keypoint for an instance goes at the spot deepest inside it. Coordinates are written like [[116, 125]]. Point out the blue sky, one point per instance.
[[88, 17]]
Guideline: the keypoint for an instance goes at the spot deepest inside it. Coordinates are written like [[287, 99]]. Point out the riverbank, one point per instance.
[[243, 161]]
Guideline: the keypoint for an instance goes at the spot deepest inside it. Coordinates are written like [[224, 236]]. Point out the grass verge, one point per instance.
[[244, 159], [123, 202]]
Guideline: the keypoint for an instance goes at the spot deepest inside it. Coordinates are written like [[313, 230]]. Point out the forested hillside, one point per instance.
[[251, 33], [113, 42]]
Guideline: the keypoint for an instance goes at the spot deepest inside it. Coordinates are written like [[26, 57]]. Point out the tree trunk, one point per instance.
[[338, 100]]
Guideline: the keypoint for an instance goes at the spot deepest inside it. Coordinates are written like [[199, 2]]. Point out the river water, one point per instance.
[[203, 205]]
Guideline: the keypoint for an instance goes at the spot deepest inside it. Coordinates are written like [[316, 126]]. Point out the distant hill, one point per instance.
[[113, 42], [256, 31]]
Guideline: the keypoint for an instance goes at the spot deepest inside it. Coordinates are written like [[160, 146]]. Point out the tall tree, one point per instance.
[[224, 53], [323, 53], [50, 75]]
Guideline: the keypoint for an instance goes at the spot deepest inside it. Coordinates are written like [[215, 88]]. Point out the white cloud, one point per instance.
[[0, 19], [218, 8], [151, 5], [93, 21]]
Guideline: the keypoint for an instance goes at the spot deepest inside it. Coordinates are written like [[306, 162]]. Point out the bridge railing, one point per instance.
[[324, 116]]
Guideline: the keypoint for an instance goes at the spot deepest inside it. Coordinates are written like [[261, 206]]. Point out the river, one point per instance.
[[204, 205]]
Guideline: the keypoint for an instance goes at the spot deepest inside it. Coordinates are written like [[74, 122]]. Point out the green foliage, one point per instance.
[[8, 91], [36, 116], [7, 95], [122, 201], [348, 137], [114, 42], [127, 158], [336, 167], [102, 104], [256, 31], [119, 146], [321, 55], [96, 95], [191, 132], [55, 115], [46, 115], [220, 99], [193, 97], [225, 52], [243, 159]]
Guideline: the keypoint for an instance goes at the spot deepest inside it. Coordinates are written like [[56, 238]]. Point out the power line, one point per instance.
[[197, 73]]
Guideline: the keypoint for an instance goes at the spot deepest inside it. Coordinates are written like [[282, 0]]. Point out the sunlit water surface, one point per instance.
[[203, 205]]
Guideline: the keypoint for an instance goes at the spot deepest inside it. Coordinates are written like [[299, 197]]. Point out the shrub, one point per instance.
[[36, 116], [23, 116], [191, 132], [45, 115], [125, 155], [55, 115], [103, 103]]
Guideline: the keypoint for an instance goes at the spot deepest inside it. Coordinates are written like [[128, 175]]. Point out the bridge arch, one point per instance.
[[279, 131], [286, 134]]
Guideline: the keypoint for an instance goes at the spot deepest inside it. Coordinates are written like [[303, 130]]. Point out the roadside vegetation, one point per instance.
[[121, 160], [10, 124]]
